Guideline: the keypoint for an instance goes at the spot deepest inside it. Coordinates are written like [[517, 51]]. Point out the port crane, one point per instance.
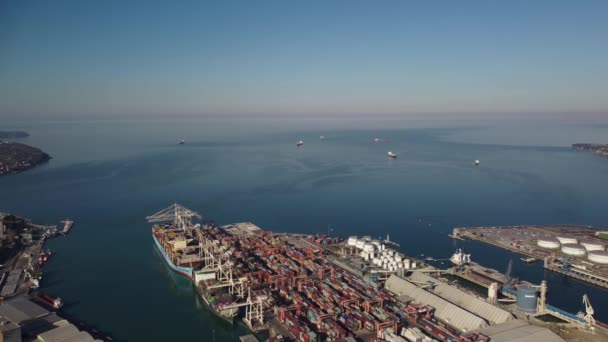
[[181, 216], [588, 315]]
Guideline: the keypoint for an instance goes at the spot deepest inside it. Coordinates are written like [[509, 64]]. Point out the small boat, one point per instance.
[[299, 143], [181, 142], [476, 162], [51, 302], [322, 137], [376, 139], [528, 260], [460, 258], [392, 154]]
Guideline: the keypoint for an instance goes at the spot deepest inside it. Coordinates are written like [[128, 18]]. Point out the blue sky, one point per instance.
[[293, 57]]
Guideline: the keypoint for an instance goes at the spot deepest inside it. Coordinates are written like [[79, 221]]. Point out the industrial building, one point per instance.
[[519, 331], [445, 311], [466, 312], [23, 320], [490, 313]]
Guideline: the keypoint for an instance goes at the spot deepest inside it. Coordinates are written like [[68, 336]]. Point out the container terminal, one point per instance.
[[575, 251], [299, 287]]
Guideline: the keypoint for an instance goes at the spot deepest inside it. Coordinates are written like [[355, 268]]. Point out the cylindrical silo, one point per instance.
[[598, 257], [549, 243], [592, 246], [573, 249], [527, 298]]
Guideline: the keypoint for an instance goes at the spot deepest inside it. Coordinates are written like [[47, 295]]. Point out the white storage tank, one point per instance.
[[592, 246], [383, 246], [406, 264], [573, 249], [352, 241], [565, 239], [360, 244], [549, 243], [368, 247], [413, 264], [598, 257], [398, 257]]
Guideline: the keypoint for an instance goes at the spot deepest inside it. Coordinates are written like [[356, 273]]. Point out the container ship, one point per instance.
[[177, 242], [180, 246]]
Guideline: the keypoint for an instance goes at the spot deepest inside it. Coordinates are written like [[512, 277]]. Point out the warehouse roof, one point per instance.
[[248, 338], [21, 309], [481, 308], [82, 336], [520, 331], [444, 310], [58, 334]]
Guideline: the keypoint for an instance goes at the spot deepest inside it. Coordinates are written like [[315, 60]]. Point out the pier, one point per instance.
[[67, 225], [565, 249]]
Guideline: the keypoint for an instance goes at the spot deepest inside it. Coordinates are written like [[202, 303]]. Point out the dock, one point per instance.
[[566, 250], [326, 288], [67, 225]]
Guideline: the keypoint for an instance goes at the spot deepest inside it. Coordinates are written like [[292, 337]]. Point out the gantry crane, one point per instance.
[[181, 216], [588, 316]]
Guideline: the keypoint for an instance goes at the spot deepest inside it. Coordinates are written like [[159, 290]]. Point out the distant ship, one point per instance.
[[181, 142], [299, 143], [391, 154], [476, 162], [322, 137], [376, 139]]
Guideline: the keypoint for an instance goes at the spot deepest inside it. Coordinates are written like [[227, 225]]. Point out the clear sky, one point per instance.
[[293, 57]]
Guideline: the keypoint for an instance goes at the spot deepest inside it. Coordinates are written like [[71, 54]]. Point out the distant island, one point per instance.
[[16, 157], [13, 134], [600, 149]]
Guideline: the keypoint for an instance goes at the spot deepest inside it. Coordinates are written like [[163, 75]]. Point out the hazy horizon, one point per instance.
[[68, 58]]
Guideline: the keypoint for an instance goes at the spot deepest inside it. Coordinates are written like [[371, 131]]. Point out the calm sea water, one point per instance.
[[109, 174]]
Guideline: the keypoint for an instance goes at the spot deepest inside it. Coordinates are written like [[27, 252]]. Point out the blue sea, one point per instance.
[[108, 174]]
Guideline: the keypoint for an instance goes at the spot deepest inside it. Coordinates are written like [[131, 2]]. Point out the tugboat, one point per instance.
[[392, 154], [181, 142], [48, 301], [299, 143], [459, 258]]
